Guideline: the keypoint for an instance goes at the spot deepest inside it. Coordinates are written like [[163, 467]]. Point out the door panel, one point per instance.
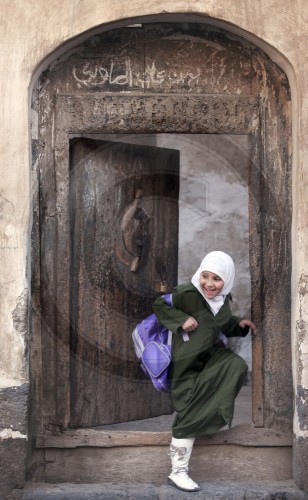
[[123, 244]]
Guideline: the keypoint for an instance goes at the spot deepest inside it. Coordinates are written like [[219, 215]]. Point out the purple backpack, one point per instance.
[[152, 343]]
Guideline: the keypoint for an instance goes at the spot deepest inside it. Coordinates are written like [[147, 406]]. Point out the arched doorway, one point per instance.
[[147, 79]]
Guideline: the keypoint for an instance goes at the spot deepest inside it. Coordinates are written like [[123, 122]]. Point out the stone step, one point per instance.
[[89, 456], [224, 490]]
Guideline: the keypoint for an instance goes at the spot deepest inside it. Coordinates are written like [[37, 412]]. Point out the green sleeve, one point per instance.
[[170, 316], [233, 328]]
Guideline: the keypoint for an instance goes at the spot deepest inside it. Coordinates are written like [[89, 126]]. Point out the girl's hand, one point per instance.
[[247, 322], [189, 325]]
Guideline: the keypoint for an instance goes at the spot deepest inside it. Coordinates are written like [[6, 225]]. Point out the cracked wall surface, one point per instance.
[[13, 440], [300, 465]]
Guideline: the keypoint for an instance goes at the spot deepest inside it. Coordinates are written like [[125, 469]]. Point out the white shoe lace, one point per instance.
[[181, 479], [181, 469]]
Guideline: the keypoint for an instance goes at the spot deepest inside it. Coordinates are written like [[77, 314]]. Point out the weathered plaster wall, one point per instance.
[[30, 31]]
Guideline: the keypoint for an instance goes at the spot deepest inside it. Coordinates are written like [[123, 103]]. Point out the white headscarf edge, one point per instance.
[[219, 263]]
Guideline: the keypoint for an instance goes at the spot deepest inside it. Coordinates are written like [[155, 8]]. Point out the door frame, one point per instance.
[[199, 114], [267, 121]]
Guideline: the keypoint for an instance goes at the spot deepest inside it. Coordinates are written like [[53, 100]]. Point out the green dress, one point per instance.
[[206, 377]]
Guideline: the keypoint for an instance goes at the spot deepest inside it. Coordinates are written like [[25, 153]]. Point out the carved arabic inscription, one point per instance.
[[95, 74]]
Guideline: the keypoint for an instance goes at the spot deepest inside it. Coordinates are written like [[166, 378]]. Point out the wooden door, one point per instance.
[[123, 244]]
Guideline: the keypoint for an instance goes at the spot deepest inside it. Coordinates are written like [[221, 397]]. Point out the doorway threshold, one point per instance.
[[156, 431]]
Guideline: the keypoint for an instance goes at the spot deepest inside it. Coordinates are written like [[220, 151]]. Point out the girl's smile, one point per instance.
[[211, 284]]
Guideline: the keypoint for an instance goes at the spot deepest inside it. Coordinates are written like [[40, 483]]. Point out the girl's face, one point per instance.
[[211, 284]]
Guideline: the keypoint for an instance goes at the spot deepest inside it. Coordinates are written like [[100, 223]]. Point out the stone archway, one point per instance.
[[132, 80]]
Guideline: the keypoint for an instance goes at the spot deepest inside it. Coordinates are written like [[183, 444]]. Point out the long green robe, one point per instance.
[[205, 376]]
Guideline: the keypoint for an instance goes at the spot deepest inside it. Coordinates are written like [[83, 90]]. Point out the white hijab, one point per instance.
[[221, 264]]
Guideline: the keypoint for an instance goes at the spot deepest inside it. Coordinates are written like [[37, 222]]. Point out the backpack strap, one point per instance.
[[169, 341], [168, 299]]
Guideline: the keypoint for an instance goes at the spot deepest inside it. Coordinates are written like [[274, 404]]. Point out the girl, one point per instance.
[[206, 377]]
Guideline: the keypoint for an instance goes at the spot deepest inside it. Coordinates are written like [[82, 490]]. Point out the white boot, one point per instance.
[[180, 451]]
